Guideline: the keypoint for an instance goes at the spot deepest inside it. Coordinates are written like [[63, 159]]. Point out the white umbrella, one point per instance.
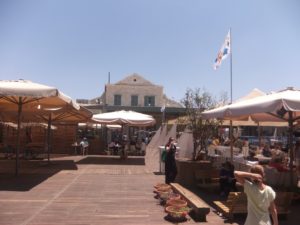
[[123, 117], [19, 98], [282, 106]]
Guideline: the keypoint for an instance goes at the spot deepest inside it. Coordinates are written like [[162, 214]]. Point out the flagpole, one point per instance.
[[230, 65], [231, 128]]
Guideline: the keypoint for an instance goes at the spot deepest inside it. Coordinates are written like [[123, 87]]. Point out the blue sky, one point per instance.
[[73, 44]]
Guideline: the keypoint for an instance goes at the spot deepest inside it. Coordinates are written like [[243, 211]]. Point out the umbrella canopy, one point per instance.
[[15, 92], [279, 106], [271, 107], [25, 100], [123, 117], [24, 125]]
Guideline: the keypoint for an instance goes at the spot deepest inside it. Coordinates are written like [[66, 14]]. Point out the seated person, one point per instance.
[[239, 143], [227, 179], [246, 142], [251, 156], [277, 163], [8, 151], [143, 147], [227, 142], [117, 147], [84, 145], [266, 151], [111, 147]]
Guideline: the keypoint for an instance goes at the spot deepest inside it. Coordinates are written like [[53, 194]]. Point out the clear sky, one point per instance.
[[73, 44]]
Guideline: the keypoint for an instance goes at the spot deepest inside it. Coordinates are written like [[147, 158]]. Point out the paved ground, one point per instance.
[[76, 190]]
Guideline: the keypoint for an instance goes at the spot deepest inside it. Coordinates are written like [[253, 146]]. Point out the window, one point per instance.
[[134, 100], [149, 101], [117, 100]]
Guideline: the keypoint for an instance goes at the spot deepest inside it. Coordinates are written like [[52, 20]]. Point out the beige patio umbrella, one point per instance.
[[123, 117], [281, 106], [20, 99], [24, 125]]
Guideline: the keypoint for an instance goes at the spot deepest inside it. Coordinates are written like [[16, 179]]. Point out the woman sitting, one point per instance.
[[227, 180]]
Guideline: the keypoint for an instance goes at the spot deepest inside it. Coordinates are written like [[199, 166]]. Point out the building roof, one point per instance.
[[135, 79]]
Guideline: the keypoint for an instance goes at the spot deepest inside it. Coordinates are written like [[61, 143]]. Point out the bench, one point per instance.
[[199, 208], [207, 179], [236, 203]]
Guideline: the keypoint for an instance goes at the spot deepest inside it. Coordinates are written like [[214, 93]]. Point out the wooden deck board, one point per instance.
[[78, 191]]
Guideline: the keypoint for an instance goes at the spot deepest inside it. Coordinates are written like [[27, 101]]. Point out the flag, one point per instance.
[[224, 52]]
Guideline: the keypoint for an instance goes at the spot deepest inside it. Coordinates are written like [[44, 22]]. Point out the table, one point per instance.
[[225, 150]]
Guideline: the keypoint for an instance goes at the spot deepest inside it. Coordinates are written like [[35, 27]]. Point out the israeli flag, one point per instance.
[[224, 51]]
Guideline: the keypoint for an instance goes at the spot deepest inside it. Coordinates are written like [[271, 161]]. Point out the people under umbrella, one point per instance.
[[227, 180]]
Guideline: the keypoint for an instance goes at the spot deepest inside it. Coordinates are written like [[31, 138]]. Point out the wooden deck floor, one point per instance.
[[76, 190]]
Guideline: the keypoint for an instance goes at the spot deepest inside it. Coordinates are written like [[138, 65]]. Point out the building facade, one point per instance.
[[135, 93]]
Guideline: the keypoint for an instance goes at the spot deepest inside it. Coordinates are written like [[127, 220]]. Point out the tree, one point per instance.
[[195, 102]]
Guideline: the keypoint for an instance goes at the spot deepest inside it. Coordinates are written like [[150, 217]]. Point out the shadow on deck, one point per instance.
[[31, 173], [112, 160]]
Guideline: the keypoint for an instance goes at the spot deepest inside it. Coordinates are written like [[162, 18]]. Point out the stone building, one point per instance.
[[135, 93]]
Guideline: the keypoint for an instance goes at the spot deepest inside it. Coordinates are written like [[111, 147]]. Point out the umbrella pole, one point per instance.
[[259, 134], [18, 135], [290, 141], [48, 136], [231, 141]]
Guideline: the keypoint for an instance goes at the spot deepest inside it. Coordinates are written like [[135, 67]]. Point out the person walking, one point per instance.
[[170, 163], [260, 197]]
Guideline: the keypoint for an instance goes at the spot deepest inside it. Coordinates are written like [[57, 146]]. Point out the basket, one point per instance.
[[176, 202], [156, 186], [164, 195], [162, 187], [177, 212], [174, 196]]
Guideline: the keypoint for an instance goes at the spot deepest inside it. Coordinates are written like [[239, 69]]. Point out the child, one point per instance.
[[260, 197]]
